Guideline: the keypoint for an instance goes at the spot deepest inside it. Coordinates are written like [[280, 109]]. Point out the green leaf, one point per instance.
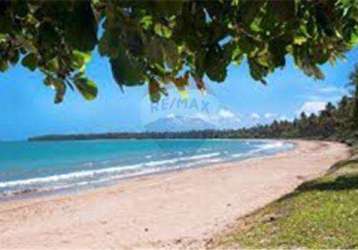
[[312, 70], [133, 40], [80, 59], [255, 25], [249, 10], [48, 35], [162, 30], [154, 51], [60, 92], [277, 49], [153, 39], [246, 44], [323, 21], [3, 65], [109, 45], [58, 85], [3, 37], [126, 70], [215, 65], [284, 10], [299, 40], [87, 88], [167, 8], [14, 56], [81, 27], [53, 65], [257, 71], [5, 24], [30, 61], [146, 21], [171, 54], [154, 91], [354, 39]]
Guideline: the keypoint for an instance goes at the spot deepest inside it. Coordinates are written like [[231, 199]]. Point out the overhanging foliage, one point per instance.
[[170, 42]]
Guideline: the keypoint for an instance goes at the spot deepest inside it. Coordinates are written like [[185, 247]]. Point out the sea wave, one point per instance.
[[272, 145], [93, 173], [103, 175], [275, 145]]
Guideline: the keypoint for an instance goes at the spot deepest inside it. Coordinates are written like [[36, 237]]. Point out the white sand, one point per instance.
[[172, 210]]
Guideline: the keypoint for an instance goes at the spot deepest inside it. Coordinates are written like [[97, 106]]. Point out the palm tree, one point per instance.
[[354, 83]]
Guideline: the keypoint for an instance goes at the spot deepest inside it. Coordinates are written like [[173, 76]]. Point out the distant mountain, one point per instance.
[[179, 124]]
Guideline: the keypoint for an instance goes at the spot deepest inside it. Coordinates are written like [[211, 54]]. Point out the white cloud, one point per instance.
[[223, 119], [310, 107], [324, 93], [270, 115], [202, 116], [332, 90], [225, 113], [227, 119], [283, 118], [171, 115], [255, 116]]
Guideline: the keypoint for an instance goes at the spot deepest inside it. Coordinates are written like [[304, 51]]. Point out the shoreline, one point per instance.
[[172, 209], [26, 194]]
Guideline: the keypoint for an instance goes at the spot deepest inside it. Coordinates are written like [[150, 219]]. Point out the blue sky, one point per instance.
[[27, 107]]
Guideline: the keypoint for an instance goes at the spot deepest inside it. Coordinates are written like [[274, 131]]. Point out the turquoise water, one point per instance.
[[50, 166]]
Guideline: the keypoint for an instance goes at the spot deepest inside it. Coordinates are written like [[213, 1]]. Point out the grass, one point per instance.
[[320, 214]]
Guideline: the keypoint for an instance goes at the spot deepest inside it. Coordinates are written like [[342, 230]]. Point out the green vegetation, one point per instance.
[[170, 42], [320, 214], [334, 123]]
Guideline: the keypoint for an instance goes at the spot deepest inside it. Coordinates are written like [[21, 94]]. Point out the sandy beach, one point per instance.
[[181, 209]]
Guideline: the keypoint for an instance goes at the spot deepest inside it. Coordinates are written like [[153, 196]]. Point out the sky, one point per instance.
[[27, 107]]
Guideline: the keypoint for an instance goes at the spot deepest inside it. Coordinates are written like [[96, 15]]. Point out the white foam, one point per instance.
[[272, 145], [73, 175], [117, 172], [262, 148], [92, 173], [179, 159], [157, 163]]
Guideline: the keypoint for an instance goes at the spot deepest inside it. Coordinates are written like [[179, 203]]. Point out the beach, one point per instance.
[[179, 209]]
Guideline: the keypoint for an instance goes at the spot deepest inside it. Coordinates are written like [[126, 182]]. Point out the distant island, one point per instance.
[[333, 123], [191, 134]]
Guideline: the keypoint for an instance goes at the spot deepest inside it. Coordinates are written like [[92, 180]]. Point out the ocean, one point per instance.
[[38, 167]]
